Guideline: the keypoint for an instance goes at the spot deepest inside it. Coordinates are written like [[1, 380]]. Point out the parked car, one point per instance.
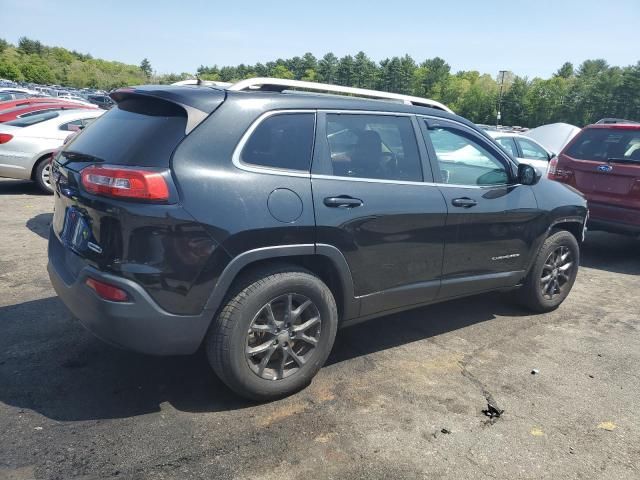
[[553, 136], [603, 162], [186, 215], [37, 108], [102, 101], [23, 102], [27, 144], [524, 149]]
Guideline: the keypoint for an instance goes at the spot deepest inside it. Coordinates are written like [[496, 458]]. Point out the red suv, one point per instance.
[[603, 162]]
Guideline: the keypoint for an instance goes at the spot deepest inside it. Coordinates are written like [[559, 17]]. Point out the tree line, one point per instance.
[[577, 95]]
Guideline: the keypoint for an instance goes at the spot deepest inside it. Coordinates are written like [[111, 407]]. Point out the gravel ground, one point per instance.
[[401, 396]]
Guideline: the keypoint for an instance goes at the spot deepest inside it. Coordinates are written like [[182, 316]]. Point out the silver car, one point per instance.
[[524, 149], [27, 144]]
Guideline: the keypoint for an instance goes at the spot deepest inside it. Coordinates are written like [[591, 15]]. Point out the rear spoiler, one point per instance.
[[197, 101]]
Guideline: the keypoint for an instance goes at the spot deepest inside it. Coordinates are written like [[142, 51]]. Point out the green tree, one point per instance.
[[565, 71], [328, 68], [145, 67]]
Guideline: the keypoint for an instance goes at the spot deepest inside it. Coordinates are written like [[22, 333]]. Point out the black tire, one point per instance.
[[229, 334], [39, 175], [541, 296]]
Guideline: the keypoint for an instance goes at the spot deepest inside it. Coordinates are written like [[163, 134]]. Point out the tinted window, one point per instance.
[[532, 151], [462, 159], [73, 126], [508, 144], [604, 143], [282, 141], [33, 119], [373, 146], [138, 131]]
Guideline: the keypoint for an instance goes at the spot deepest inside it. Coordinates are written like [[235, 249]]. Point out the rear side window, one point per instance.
[[602, 144], [139, 131], [282, 141], [373, 146]]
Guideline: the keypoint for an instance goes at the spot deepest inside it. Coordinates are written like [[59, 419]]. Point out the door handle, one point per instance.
[[343, 201], [464, 202]]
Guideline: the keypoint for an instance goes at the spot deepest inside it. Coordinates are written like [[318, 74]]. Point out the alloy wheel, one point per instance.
[[556, 272], [46, 175], [283, 336]]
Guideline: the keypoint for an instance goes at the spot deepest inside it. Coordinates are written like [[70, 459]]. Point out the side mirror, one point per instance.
[[527, 175], [551, 155]]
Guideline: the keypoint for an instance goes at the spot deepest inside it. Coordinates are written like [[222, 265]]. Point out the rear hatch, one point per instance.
[[603, 162], [100, 218]]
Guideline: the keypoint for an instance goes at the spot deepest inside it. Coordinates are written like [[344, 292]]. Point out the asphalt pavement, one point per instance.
[[401, 396]]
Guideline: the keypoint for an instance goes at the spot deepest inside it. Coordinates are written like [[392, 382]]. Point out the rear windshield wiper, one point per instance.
[[72, 156], [622, 160]]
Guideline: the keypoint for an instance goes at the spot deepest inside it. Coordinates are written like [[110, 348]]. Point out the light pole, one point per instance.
[[499, 116]]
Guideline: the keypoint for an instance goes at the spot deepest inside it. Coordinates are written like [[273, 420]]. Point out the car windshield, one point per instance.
[[605, 144], [32, 120]]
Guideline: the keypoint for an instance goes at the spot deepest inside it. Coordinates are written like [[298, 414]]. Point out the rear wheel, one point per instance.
[[42, 175], [273, 334], [553, 273]]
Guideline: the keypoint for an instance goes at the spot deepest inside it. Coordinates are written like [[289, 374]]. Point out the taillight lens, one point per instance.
[[125, 183], [107, 291], [556, 173], [5, 137]]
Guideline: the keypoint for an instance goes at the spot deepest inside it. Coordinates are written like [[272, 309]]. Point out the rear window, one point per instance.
[[602, 144], [282, 141], [33, 119], [139, 131]]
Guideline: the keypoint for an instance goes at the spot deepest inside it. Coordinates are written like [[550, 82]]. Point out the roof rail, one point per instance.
[[609, 121], [281, 84]]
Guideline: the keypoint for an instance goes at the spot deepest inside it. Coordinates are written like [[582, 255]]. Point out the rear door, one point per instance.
[[488, 236], [372, 204], [605, 165]]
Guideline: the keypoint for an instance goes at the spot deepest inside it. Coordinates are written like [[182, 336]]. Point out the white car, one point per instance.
[[27, 144], [524, 149]]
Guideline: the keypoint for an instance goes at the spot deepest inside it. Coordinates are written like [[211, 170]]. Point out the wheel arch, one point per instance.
[[325, 261], [38, 158]]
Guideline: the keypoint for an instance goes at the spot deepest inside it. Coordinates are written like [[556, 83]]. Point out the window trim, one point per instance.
[[497, 152], [249, 167], [322, 164]]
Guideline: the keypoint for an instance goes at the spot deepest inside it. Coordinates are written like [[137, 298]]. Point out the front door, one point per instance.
[[371, 203], [489, 234]]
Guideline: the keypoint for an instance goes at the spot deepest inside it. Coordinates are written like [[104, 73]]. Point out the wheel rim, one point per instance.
[[46, 174], [283, 336], [556, 272]]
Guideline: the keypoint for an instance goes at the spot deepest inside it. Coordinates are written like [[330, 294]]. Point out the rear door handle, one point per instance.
[[343, 201], [464, 202]]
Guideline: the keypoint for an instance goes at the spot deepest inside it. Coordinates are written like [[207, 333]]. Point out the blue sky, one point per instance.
[[531, 38]]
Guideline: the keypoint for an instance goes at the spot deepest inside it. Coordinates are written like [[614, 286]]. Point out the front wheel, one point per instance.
[[273, 334], [553, 273]]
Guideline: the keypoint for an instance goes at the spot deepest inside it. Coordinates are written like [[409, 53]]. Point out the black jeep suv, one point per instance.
[[258, 219]]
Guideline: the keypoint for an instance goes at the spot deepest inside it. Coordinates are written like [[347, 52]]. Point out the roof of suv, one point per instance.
[[207, 98]]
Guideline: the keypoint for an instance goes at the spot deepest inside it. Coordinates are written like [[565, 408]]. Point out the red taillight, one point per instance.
[[5, 137], [125, 183], [556, 173], [107, 291]]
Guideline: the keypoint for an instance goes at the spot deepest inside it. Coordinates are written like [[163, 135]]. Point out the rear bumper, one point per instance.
[[139, 325], [614, 219], [613, 227]]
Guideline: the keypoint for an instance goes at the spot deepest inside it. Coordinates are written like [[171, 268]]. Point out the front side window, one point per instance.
[[282, 141], [373, 146], [508, 145], [532, 151], [462, 160]]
